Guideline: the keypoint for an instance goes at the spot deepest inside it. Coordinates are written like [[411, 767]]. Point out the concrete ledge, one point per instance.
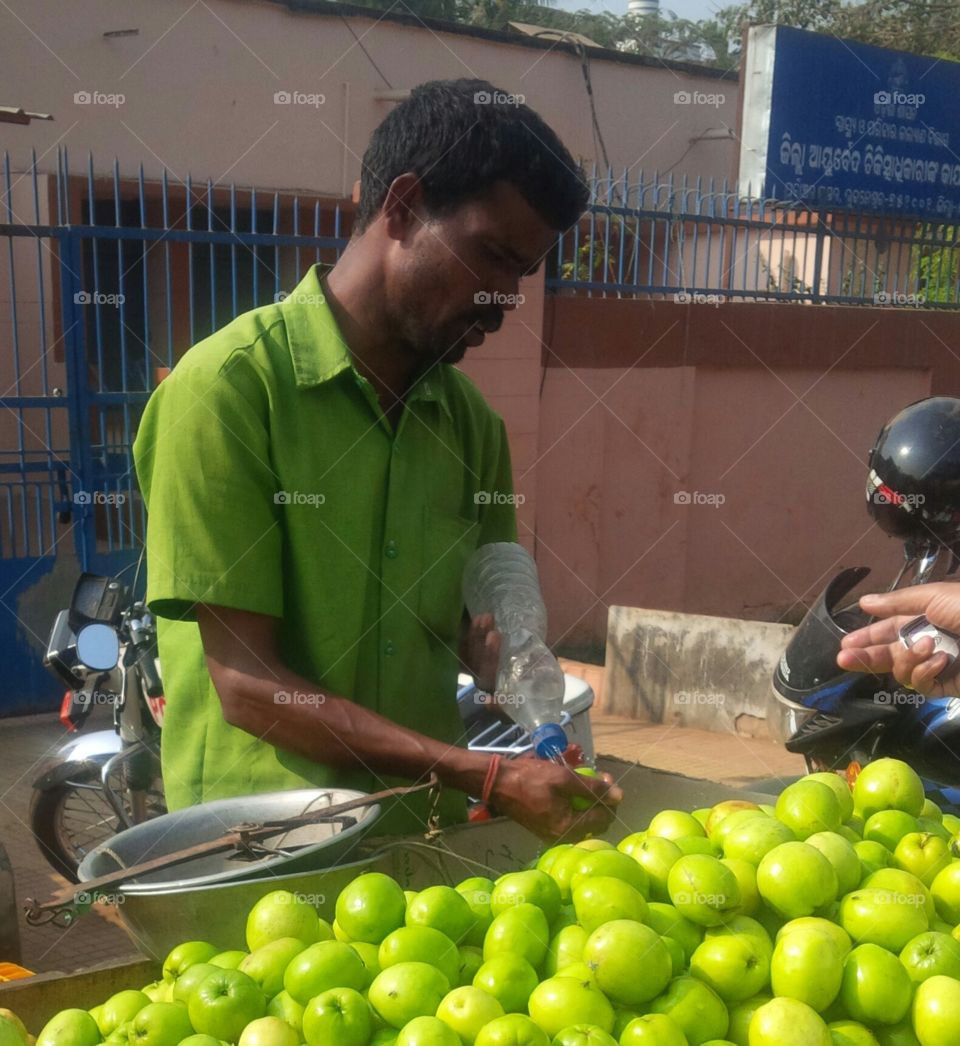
[[709, 672]]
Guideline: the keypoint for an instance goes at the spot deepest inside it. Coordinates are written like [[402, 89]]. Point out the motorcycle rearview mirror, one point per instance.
[[98, 647]]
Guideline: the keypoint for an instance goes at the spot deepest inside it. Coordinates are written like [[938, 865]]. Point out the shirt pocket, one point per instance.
[[448, 542]]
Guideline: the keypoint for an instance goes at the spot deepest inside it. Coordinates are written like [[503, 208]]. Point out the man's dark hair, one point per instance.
[[461, 136]]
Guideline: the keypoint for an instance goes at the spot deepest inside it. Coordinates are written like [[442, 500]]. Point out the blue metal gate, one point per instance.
[[106, 281]]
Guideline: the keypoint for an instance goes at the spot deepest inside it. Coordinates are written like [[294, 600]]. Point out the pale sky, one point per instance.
[[692, 9]]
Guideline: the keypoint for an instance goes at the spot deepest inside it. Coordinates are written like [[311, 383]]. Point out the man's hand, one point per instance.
[[537, 795], [877, 647], [480, 651]]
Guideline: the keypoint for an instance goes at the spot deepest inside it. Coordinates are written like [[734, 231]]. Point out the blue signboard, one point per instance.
[[834, 123]]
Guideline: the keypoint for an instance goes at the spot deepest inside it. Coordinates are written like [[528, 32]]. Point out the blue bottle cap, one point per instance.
[[549, 740]]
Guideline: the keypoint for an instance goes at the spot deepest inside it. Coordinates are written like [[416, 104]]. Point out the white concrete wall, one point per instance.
[[198, 84], [690, 669]]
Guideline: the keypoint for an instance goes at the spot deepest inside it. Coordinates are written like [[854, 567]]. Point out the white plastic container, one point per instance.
[[510, 739]]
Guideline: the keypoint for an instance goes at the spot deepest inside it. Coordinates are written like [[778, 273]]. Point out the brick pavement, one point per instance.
[[98, 936]]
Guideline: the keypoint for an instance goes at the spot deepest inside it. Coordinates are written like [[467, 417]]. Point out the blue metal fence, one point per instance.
[[672, 237], [104, 282]]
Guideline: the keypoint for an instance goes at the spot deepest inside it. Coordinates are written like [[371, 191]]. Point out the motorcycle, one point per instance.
[[840, 720], [104, 648]]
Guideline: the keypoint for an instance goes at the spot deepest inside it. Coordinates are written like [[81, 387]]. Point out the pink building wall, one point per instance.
[[771, 408], [509, 371]]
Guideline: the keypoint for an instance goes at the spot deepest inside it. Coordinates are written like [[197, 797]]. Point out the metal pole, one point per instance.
[[817, 296]]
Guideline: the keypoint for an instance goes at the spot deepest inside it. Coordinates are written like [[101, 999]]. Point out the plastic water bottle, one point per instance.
[[501, 579]]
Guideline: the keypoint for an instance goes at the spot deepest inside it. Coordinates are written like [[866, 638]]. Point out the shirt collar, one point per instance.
[[319, 351], [432, 388], [317, 348]]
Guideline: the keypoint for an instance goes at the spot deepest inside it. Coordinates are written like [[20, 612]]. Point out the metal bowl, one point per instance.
[[156, 922], [308, 848]]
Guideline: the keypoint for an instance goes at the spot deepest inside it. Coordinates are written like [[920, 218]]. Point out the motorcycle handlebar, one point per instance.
[[149, 676]]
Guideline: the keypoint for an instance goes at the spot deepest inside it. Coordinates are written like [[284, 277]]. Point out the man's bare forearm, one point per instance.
[[260, 695], [296, 715]]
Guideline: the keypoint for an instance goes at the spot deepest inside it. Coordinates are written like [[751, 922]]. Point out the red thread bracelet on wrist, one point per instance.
[[489, 781]]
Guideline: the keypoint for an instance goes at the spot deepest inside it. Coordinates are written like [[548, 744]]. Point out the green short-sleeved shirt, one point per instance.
[[275, 484]]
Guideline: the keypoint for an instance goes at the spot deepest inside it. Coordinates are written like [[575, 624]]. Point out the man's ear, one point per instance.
[[403, 206]]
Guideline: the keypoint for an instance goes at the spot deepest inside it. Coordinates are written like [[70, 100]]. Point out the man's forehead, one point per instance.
[[502, 211], [503, 195]]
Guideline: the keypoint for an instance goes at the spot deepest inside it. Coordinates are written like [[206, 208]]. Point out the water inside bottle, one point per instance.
[[501, 579]]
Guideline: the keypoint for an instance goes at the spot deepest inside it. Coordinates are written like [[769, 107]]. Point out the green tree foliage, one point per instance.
[[935, 266], [922, 26]]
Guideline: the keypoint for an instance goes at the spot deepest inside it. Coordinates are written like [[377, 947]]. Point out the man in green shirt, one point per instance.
[[317, 475]]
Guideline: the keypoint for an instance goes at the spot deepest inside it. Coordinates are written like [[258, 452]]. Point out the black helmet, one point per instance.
[[809, 663], [810, 688], [913, 487]]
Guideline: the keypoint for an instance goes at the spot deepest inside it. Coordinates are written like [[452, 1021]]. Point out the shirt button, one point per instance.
[[392, 550], [388, 647]]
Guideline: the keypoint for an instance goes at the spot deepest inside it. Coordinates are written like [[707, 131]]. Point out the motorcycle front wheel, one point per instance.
[[70, 819]]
